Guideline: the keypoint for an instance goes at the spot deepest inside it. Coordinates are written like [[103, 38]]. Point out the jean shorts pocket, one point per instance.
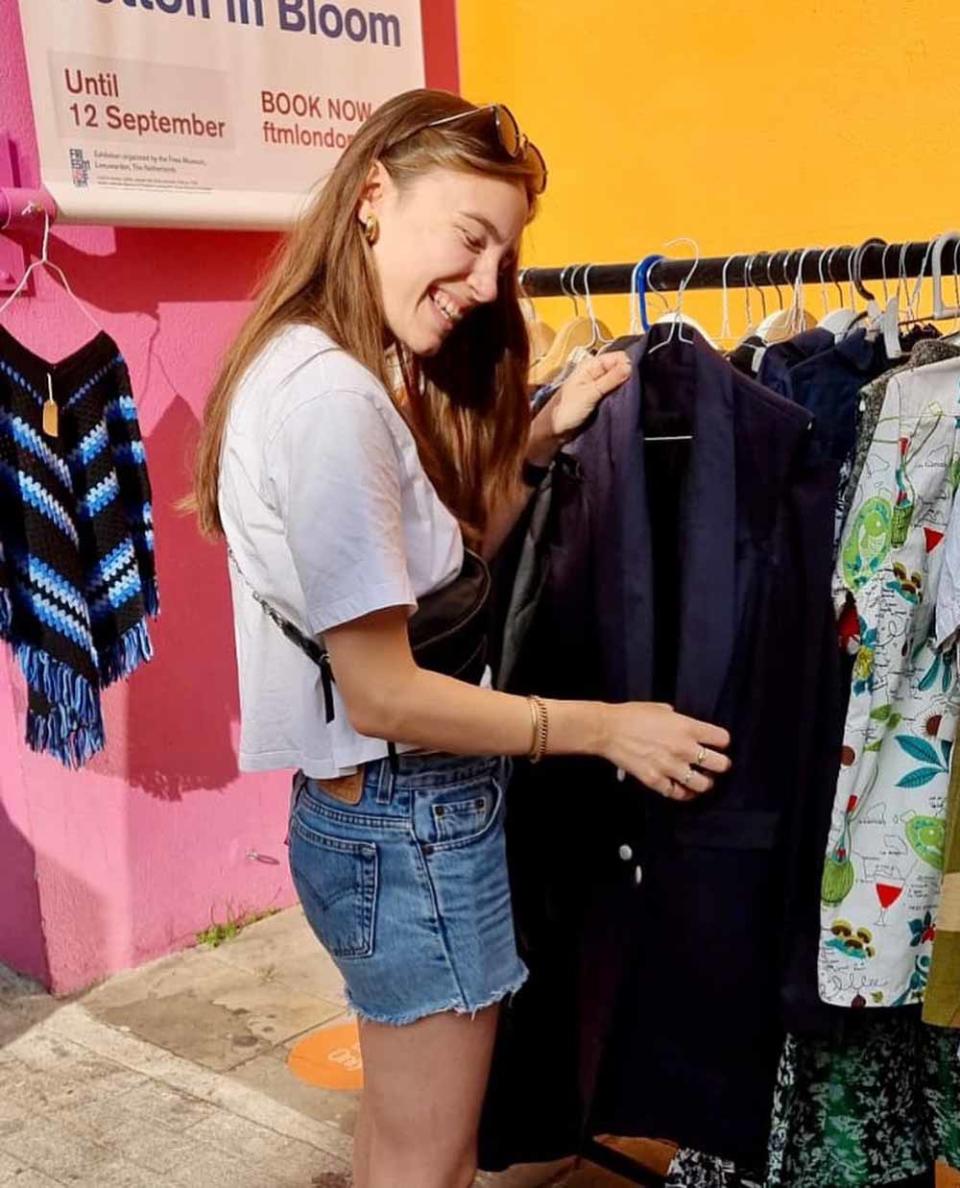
[[337, 884], [465, 817]]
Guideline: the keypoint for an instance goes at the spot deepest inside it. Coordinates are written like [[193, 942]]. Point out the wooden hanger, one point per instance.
[[578, 333]]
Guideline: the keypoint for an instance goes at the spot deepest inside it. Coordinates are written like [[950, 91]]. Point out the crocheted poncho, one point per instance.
[[77, 572]]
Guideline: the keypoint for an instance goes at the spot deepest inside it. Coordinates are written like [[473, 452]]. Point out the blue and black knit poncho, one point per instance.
[[77, 570]]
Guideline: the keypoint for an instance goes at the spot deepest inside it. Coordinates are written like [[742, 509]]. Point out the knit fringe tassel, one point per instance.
[[151, 597], [73, 728], [125, 654], [6, 613]]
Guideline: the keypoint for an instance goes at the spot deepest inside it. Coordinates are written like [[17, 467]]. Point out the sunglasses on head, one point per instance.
[[513, 142]]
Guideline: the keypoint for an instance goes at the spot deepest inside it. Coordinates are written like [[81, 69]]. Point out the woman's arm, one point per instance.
[[558, 421], [388, 696], [507, 507]]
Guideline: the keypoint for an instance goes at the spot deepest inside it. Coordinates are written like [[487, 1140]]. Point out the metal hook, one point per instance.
[[771, 282], [591, 313], [883, 271], [676, 327], [823, 284], [857, 266], [640, 285], [763, 296], [726, 332], [833, 279], [798, 289], [571, 292]]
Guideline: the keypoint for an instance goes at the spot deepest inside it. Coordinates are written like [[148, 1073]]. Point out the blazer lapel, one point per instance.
[[708, 611], [628, 634]]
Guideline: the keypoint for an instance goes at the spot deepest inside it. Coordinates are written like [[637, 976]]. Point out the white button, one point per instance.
[[626, 853], [638, 875]]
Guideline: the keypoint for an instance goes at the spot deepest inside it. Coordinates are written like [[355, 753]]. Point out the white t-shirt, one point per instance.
[[329, 515]]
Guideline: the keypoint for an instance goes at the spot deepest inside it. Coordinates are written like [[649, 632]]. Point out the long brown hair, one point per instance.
[[467, 407]]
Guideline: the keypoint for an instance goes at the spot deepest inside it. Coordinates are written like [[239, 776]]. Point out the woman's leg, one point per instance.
[[423, 1092]]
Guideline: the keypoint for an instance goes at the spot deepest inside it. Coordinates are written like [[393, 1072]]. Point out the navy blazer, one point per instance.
[[668, 942]]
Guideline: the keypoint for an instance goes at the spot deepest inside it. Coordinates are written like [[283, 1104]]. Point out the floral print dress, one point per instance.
[[884, 863], [878, 1105]]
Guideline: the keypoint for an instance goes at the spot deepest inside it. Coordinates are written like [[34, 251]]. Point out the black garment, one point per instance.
[[666, 941]]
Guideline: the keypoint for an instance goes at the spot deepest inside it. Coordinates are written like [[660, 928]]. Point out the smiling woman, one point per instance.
[[369, 430]]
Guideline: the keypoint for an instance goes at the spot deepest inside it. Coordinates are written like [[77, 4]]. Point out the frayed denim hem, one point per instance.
[[456, 1005]]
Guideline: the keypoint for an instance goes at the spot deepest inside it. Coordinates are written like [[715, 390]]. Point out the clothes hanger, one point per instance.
[[913, 295], [540, 334], [677, 322], [941, 312], [838, 321], [785, 323], [51, 411], [45, 262], [954, 338], [750, 333], [577, 332], [890, 317], [803, 319], [600, 335], [726, 331], [639, 321], [677, 319]]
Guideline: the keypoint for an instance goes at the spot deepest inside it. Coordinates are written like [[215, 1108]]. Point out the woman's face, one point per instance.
[[443, 244]]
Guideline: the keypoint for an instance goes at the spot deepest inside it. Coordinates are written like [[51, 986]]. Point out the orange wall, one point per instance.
[[746, 126]]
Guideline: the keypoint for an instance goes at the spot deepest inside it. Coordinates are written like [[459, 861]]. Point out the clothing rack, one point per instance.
[[872, 260]]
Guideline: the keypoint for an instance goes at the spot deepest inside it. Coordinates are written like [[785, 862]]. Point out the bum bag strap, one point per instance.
[[320, 656]]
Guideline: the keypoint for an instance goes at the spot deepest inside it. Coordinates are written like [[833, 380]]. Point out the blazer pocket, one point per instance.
[[729, 829]]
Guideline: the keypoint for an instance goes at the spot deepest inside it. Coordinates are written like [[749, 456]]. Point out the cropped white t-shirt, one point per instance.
[[329, 515]]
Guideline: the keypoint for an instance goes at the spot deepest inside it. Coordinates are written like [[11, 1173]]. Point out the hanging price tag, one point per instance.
[[51, 414]]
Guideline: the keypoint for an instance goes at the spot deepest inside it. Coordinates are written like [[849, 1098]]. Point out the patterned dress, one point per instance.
[[884, 863], [879, 1105]]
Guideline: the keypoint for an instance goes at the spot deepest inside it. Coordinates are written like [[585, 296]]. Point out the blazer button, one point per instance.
[[626, 853], [638, 874]]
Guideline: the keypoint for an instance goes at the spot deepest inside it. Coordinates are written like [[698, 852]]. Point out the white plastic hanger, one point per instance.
[[47, 263], [954, 338], [942, 312], [890, 318]]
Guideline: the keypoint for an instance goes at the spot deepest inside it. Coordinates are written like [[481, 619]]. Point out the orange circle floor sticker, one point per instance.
[[329, 1058]]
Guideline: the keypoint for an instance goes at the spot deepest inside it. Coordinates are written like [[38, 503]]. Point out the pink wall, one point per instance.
[[159, 836]]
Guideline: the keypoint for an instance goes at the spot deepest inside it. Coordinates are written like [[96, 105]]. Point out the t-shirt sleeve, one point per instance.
[[335, 470]]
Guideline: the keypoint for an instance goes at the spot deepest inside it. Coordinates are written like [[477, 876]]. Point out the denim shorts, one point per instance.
[[407, 890]]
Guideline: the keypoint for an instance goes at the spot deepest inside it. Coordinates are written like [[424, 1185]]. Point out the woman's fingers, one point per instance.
[[688, 777], [707, 759]]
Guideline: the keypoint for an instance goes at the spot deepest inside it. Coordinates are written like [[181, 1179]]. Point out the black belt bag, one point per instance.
[[448, 631]]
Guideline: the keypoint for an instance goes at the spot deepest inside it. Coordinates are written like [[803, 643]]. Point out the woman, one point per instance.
[[372, 417]]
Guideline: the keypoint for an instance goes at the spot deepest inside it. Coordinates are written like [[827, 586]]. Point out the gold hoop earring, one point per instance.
[[371, 229]]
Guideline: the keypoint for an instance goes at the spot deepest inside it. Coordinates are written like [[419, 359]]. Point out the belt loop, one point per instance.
[[385, 781]]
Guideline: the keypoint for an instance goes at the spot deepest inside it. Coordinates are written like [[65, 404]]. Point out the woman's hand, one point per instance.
[[574, 401], [669, 753]]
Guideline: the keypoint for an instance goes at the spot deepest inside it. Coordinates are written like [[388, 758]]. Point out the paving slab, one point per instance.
[[176, 1074]]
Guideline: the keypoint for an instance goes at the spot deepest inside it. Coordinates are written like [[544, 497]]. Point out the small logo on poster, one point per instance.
[[79, 168]]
